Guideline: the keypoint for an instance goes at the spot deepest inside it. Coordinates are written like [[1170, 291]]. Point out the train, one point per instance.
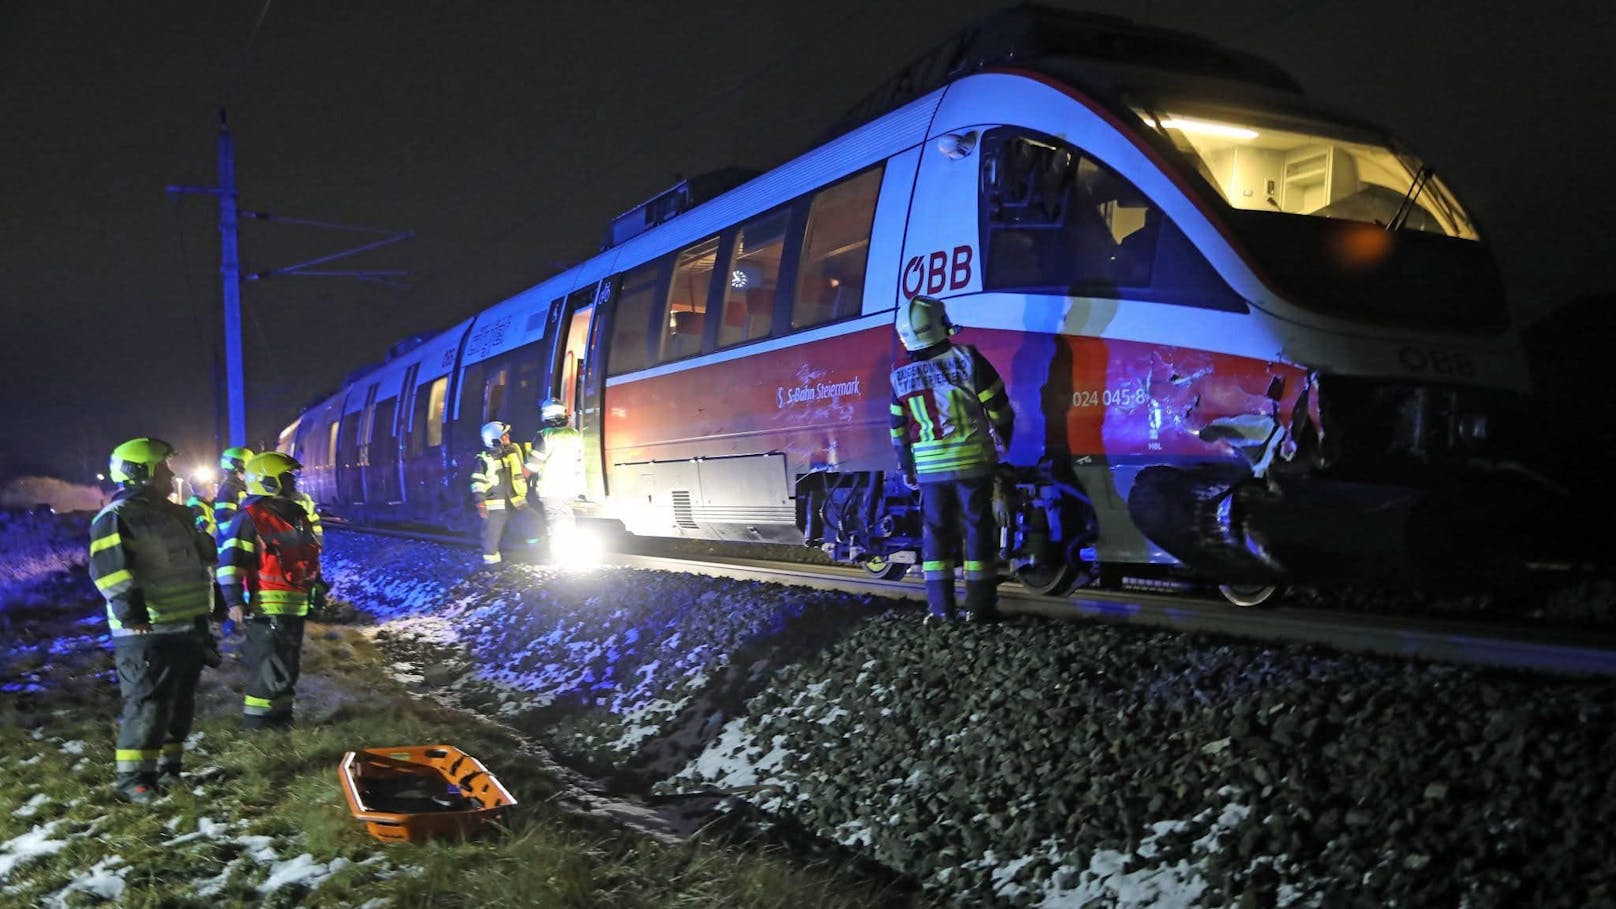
[[1250, 340]]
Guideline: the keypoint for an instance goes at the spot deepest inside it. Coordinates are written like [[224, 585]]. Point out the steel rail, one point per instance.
[[1574, 652]]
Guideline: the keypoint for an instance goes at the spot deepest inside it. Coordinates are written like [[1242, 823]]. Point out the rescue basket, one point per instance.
[[414, 793]]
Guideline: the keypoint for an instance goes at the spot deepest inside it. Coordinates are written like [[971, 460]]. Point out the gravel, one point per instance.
[[1028, 762]]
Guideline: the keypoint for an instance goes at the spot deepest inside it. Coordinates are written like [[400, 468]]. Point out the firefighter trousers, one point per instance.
[[521, 520], [273, 657], [157, 675], [959, 531]]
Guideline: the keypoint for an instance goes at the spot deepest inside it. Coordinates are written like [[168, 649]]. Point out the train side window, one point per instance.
[[331, 443], [642, 289], [685, 324], [426, 423], [836, 247], [494, 393], [754, 277]]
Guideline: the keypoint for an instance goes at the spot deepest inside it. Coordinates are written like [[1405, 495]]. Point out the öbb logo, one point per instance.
[[933, 272]]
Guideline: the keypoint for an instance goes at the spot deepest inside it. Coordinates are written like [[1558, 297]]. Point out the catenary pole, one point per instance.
[[230, 275]]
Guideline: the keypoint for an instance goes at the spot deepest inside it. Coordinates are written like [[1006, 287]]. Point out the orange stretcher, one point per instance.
[[420, 792]]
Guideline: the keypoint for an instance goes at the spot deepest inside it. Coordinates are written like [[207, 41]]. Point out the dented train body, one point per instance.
[[1248, 339]]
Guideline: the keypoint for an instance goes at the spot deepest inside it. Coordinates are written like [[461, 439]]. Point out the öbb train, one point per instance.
[[1249, 340]]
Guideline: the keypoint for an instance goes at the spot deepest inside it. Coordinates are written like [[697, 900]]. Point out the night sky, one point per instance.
[[506, 135]]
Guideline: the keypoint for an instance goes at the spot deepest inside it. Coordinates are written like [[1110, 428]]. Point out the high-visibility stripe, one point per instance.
[[987, 394], [937, 565], [106, 542], [917, 409], [239, 543], [227, 571], [174, 749], [105, 584]]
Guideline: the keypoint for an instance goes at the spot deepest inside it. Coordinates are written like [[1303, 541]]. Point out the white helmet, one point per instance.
[[553, 411], [923, 322], [492, 432]]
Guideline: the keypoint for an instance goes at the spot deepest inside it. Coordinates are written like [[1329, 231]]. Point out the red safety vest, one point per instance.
[[288, 560]]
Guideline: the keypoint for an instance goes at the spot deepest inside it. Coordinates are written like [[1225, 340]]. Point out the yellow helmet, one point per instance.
[[272, 473], [923, 322], [235, 458], [135, 461]]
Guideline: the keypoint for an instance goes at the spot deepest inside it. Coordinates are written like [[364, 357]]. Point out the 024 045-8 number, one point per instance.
[[1126, 396]]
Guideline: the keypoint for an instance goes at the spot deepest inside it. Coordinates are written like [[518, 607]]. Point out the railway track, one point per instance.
[[1577, 652]]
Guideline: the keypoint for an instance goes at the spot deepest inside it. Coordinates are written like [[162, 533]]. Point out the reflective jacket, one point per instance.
[[943, 404], [227, 498], [150, 563], [557, 462], [307, 501], [269, 558], [202, 512], [500, 478]]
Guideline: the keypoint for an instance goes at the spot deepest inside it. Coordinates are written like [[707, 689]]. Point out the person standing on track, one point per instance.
[[556, 461], [499, 487], [950, 420]]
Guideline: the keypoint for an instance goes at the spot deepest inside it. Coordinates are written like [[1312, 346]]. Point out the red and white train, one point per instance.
[[1249, 340]]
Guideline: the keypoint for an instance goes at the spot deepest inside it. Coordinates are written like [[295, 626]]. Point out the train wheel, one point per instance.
[[1049, 579], [886, 570], [1249, 594]]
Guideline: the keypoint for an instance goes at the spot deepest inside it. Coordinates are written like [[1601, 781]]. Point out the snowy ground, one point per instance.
[[1027, 763]]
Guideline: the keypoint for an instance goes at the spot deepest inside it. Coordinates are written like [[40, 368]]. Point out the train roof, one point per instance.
[[1031, 34]]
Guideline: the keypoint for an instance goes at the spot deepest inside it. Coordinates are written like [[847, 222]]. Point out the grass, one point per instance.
[[56, 738]]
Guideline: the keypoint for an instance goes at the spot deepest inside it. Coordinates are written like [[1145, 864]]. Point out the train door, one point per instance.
[[349, 463], [403, 420], [583, 376]]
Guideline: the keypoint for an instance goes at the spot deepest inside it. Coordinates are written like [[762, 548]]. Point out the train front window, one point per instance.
[[1264, 162], [1057, 220]]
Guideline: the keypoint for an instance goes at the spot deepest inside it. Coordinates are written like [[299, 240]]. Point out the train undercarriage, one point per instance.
[[1409, 487]]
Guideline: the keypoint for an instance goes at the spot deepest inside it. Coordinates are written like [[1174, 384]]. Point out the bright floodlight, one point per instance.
[[578, 548], [202, 474]]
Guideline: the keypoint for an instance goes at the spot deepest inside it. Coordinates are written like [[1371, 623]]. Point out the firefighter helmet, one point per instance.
[[235, 458], [493, 432], [923, 322], [553, 412], [135, 462], [272, 473]]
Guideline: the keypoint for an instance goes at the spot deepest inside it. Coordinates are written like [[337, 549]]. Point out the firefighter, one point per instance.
[[951, 419], [556, 461], [153, 566], [499, 487], [269, 570], [201, 504], [231, 490], [307, 501]]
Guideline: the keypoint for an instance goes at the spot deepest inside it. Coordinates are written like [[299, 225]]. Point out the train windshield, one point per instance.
[[1266, 162]]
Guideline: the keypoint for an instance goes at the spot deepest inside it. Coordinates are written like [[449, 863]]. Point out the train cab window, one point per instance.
[[684, 327], [754, 276], [1055, 219], [836, 246], [642, 289]]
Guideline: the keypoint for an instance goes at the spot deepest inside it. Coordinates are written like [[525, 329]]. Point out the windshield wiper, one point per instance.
[[1409, 198]]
